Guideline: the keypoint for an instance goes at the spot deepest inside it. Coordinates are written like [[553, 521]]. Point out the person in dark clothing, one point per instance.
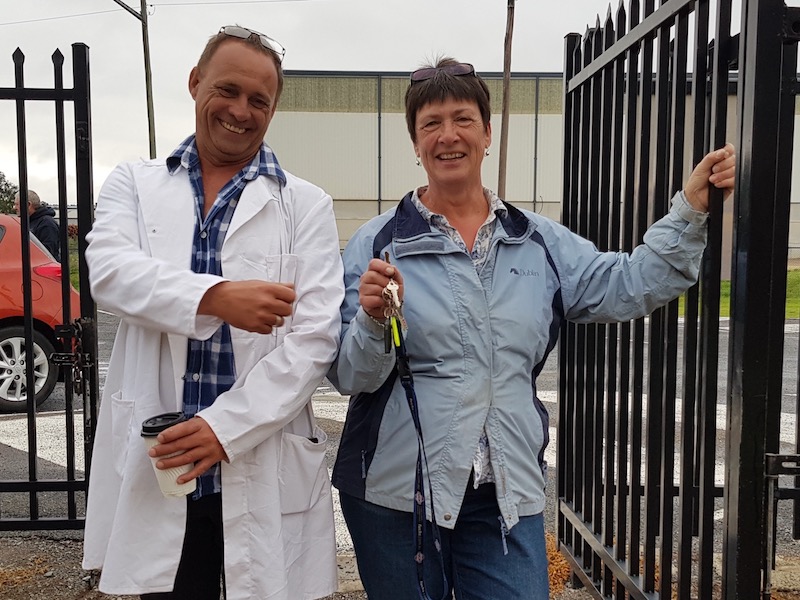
[[42, 222]]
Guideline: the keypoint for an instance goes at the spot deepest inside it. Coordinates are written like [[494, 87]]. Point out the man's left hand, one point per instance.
[[199, 445]]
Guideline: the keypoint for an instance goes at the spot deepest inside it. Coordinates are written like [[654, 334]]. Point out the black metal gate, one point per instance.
[[36, 491], [640, 480]]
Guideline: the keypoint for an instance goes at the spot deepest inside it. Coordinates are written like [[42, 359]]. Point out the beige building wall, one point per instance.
[[338, 152], [329, 130]]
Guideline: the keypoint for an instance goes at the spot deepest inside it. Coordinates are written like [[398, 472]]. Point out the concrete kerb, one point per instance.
[[785, 575], [349, 579]]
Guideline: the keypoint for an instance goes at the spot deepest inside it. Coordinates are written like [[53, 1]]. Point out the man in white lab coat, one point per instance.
[[226, 274]]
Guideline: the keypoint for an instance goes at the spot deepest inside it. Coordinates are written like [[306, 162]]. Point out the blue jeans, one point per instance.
[[476, 566]]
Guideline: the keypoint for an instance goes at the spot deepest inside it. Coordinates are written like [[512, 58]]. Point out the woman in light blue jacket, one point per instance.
[[484, 288]]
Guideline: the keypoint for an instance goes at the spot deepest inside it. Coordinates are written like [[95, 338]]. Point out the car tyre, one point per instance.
[[13, 379]]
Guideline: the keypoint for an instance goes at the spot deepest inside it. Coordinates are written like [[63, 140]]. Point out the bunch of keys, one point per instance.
[[393, 313]]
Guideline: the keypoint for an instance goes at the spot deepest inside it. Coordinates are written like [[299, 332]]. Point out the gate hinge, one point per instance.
[[791, 24], [71, 358], [782, 464], [82, 140], [66, 332], [62, 358]]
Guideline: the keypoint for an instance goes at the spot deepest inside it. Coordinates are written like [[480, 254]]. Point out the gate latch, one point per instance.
[[72, 336], [791, 24]]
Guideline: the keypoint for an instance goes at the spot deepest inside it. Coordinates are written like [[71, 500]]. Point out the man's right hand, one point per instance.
[[252, 305]]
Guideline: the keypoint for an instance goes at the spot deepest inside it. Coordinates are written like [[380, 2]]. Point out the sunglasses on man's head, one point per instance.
[[430, 72], [244, 33]]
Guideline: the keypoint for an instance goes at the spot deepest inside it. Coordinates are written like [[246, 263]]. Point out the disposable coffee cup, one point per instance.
[[167, 478]]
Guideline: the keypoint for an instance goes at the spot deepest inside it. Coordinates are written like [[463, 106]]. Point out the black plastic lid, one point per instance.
[[155, 425]]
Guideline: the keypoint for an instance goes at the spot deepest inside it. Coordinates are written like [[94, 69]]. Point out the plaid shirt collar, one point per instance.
[[264, 162]]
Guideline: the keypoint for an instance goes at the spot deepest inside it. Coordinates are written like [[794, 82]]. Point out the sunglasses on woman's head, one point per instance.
[[430, 72], [244, 33]]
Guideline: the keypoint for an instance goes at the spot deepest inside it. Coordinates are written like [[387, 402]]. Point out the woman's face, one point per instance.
[[451, 141]]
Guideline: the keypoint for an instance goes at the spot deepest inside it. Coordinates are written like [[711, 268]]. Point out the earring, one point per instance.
[[418, 163], [487, 151]]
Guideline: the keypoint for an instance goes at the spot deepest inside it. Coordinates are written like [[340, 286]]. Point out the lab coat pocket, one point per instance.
[[121, 415], [281, 268], [302, 472]]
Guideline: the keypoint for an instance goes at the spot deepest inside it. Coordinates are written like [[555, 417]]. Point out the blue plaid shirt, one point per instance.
[[210, 368]]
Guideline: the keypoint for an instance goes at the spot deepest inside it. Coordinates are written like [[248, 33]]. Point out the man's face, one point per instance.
[[16, 205], [235, 97]]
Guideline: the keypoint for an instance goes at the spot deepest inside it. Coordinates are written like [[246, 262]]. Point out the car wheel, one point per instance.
[[13, 378]]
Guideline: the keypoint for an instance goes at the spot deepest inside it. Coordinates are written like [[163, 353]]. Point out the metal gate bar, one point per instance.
[[689, 479], [66, 313]]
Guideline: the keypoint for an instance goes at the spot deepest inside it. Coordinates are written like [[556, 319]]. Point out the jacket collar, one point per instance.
[[515, 223], [410, 225]]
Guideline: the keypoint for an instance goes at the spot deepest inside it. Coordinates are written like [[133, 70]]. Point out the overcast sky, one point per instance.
[[385, 35]]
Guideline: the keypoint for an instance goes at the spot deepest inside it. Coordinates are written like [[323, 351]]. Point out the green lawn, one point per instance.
[[792, 296], [73, 263]]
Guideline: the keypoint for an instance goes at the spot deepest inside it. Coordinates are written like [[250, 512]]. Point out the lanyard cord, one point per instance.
[[407, 381]]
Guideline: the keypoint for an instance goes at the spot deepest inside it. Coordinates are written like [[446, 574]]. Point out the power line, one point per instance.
[[226, 2], [154, 5], [97, 12]]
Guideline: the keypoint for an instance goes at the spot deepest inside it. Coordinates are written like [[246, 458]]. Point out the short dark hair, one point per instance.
[[215, 41], [444, 86]]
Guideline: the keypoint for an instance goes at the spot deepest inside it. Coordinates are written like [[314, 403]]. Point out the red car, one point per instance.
[[47, 315]]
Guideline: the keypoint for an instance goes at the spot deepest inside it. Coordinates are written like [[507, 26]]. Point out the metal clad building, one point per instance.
[[346, 132]]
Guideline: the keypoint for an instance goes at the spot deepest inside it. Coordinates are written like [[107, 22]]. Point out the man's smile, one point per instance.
[[232, 128]]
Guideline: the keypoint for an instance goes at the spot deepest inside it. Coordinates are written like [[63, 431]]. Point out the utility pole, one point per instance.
[[501, 176], [148, 83]]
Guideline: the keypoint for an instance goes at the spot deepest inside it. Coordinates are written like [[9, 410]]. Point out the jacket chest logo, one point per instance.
[[524, 272]]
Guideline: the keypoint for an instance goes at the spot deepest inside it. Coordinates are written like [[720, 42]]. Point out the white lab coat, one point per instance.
[[276, 498]]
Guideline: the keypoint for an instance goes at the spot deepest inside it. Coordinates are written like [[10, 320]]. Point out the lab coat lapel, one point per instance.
[[256, 195]]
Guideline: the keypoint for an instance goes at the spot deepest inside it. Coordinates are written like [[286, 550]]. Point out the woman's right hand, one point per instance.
[[373, 282]]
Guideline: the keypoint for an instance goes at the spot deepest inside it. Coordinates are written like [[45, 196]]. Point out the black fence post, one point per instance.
[[757, 295], [85, 201]]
